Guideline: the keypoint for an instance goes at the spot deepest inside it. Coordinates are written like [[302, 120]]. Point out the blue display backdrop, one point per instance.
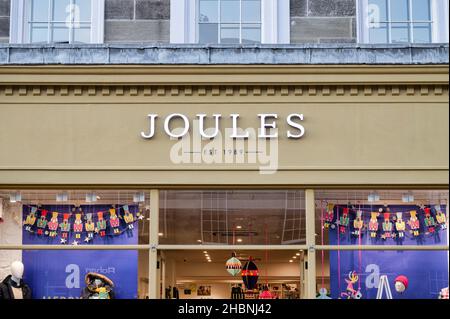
[[427, 271], [60, 274]]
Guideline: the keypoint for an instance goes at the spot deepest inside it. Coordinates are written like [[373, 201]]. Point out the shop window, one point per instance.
[[102, 219], [351, 224], [237, 217], [57, 21], [403, 21], [229, 21]]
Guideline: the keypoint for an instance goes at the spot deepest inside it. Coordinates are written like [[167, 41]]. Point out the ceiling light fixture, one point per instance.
[[62, 197], [373, 197], [408, 198], [15, 197], [139, 197], [160, 234], [291, 261], [91, 197], [297, 254], [199, 241], [239, 240], [238, 227]]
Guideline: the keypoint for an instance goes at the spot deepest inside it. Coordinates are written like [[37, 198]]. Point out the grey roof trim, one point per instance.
[[310, 54]]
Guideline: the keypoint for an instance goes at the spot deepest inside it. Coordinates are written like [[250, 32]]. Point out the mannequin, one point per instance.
[[13, 287]]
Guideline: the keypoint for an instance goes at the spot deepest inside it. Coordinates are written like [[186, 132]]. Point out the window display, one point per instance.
[[13, 286]]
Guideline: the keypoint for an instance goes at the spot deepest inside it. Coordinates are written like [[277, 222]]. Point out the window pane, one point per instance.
[[60, 32], [229, 33], [378, 34], [61, 10], [39, 32], [421, 10], [377, 11], [39, 10], [251, 11], [251, 33], [82, 34], [227, 217], [399, 33], [209, 11], [422, 32], [208, 33], [229, 11], [399, 10], [83, 9]]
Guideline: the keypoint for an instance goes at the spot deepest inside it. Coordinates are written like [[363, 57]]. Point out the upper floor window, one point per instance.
[[229, 21], [57, 21], [403, 21]]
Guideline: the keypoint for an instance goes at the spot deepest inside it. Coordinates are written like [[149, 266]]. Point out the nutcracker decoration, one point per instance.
[[129, 220], [78, 226], [89, 226], [358, 224], [114, 221], [387, 227], [344, 220], [328, 218], [65, 228], [414, 223], [440, 217], [30, 220], [53, 225], [373, 224], [429, 220], [101, 224], [42, 222], [233, 265], [400, 225], [250, 274]]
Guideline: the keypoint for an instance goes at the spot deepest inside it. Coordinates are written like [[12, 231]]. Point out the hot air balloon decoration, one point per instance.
[[233, 265], [250, 274]]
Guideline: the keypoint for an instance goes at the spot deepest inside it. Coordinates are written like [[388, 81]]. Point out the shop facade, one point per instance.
[[214, 157]]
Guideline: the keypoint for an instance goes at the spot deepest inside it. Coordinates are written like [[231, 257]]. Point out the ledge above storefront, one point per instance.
[[320, 54]]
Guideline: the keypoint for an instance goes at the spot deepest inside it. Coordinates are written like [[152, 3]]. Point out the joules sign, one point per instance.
[[267, 127]]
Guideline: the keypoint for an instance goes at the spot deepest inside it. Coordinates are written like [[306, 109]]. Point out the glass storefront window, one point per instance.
[[78, 219], [232, 217], [415, 220]]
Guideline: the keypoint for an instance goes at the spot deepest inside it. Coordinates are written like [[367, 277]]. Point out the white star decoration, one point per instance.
[[141, 217], [87, 239], [63, 241], [75, 243]]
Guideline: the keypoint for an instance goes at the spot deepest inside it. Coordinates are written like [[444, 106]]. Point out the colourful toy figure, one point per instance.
[[440, 217], [114, 221], [53, 225], [344, 220], [358, 223], [351, 292], [42, 222], [373, 224], [429, 220], [128, 217], [65, 227], [101, 224], [90, 227], [414, 223], [387, 227], [30, 220], [400, 225], [328, 218], [78, 226]]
